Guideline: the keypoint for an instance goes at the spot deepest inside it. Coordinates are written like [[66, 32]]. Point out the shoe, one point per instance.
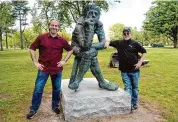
[[134, 107], [56, 110], [31, 114]]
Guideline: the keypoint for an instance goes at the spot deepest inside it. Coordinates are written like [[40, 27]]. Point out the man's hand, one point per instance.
[[138, 65], [106, 44], [39, 66], [61, 63]]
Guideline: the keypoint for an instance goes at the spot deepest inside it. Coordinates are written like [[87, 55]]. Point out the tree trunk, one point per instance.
[[175, 41], [1, 47], [6, 41], [21, 40]]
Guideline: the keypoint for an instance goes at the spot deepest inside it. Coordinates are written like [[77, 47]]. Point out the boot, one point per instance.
[[83, 68], [74, 70], [101, 82]]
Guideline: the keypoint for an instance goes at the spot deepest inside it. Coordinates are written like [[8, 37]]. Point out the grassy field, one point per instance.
[[158, 83]]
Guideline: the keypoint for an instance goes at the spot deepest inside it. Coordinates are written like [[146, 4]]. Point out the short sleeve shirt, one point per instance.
[[50, 51]]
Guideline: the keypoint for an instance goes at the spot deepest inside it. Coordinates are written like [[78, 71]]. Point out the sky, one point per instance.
[[127, 12]]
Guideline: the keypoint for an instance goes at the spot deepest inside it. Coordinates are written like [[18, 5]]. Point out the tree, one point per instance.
[[65, 11], [115, 31], [21, 11], [29, 36], [162, 18], [7, 18], [75, 8]]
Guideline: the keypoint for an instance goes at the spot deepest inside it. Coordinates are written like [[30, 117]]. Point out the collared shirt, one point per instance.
[[50, 51], [128, 54]]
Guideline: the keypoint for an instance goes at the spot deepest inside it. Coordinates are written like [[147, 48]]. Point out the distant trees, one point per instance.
[[20, 12], [115, 31], [162, 18], [67, 12], [143, 37], [7, 19]]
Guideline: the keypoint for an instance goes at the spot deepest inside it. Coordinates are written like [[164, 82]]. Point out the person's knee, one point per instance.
[[57, 87], [38, 90]]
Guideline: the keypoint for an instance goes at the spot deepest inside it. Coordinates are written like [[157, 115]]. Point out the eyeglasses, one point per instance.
[[126, 34]]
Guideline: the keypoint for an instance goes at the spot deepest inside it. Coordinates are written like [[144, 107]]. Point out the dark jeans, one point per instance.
[[131, 81], [39, 86]]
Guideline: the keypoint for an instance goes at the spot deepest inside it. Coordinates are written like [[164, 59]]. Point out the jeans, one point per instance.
[[39, 86], [131, 81]]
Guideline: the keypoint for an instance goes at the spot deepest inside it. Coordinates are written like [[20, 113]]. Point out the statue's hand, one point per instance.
[[77, 51], [89, 25]]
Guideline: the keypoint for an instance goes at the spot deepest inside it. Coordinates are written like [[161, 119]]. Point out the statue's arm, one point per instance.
[[101, 37], [78, 36]]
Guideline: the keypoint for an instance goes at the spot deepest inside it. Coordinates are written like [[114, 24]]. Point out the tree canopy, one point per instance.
[[162, 18], [7, 18], [67, 12]]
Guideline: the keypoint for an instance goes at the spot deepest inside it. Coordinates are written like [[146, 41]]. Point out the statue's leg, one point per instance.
[[74, 69], [83, 68], [97, 73]]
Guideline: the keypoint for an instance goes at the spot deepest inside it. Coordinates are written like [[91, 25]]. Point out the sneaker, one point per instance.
[[31, 114], [56, 110], [134, 107]]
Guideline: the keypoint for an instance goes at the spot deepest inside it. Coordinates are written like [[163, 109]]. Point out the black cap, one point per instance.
[[127, 29]]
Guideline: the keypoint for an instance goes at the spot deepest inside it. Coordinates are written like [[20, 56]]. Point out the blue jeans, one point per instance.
[[39, 86], [131, 81]]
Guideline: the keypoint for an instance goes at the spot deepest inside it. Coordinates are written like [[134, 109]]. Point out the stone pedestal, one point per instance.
[[90, 101]]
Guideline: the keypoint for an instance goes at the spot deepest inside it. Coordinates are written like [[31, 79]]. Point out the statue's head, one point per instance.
[[92, 11]]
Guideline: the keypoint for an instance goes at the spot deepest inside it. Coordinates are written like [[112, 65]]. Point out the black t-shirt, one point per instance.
[[128, 54]]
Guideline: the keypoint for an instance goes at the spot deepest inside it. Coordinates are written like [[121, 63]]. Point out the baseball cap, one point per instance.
[[127, 29]]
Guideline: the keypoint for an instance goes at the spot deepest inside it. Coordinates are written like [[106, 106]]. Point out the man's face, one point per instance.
[[54, 27], [93, 14], [126, 35]]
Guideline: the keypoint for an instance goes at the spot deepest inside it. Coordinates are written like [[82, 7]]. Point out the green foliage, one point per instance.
[[65, 11], [143, 37], [29, 36], [20, 7], [67, 36], [14, 40], [158, 81], [162, 18], [21, 11], [115, 31], [7, 18], [6, 15], [75, 8]]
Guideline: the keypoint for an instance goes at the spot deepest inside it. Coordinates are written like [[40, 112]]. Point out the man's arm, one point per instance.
[[62, 62], [106, 44], [33, 56], [138, 65]]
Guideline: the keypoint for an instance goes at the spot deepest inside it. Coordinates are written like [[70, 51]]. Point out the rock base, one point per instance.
[[90, 101]]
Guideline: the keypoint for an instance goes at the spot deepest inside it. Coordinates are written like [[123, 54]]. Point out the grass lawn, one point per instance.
[[158, 83]]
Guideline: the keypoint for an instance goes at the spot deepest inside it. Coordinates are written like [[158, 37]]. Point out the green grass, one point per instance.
[[158, 82]]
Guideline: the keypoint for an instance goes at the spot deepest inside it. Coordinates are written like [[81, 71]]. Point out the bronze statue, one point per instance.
[[85, 51]]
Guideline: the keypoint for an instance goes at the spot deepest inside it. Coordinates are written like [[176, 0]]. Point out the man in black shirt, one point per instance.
[[129, 63]]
